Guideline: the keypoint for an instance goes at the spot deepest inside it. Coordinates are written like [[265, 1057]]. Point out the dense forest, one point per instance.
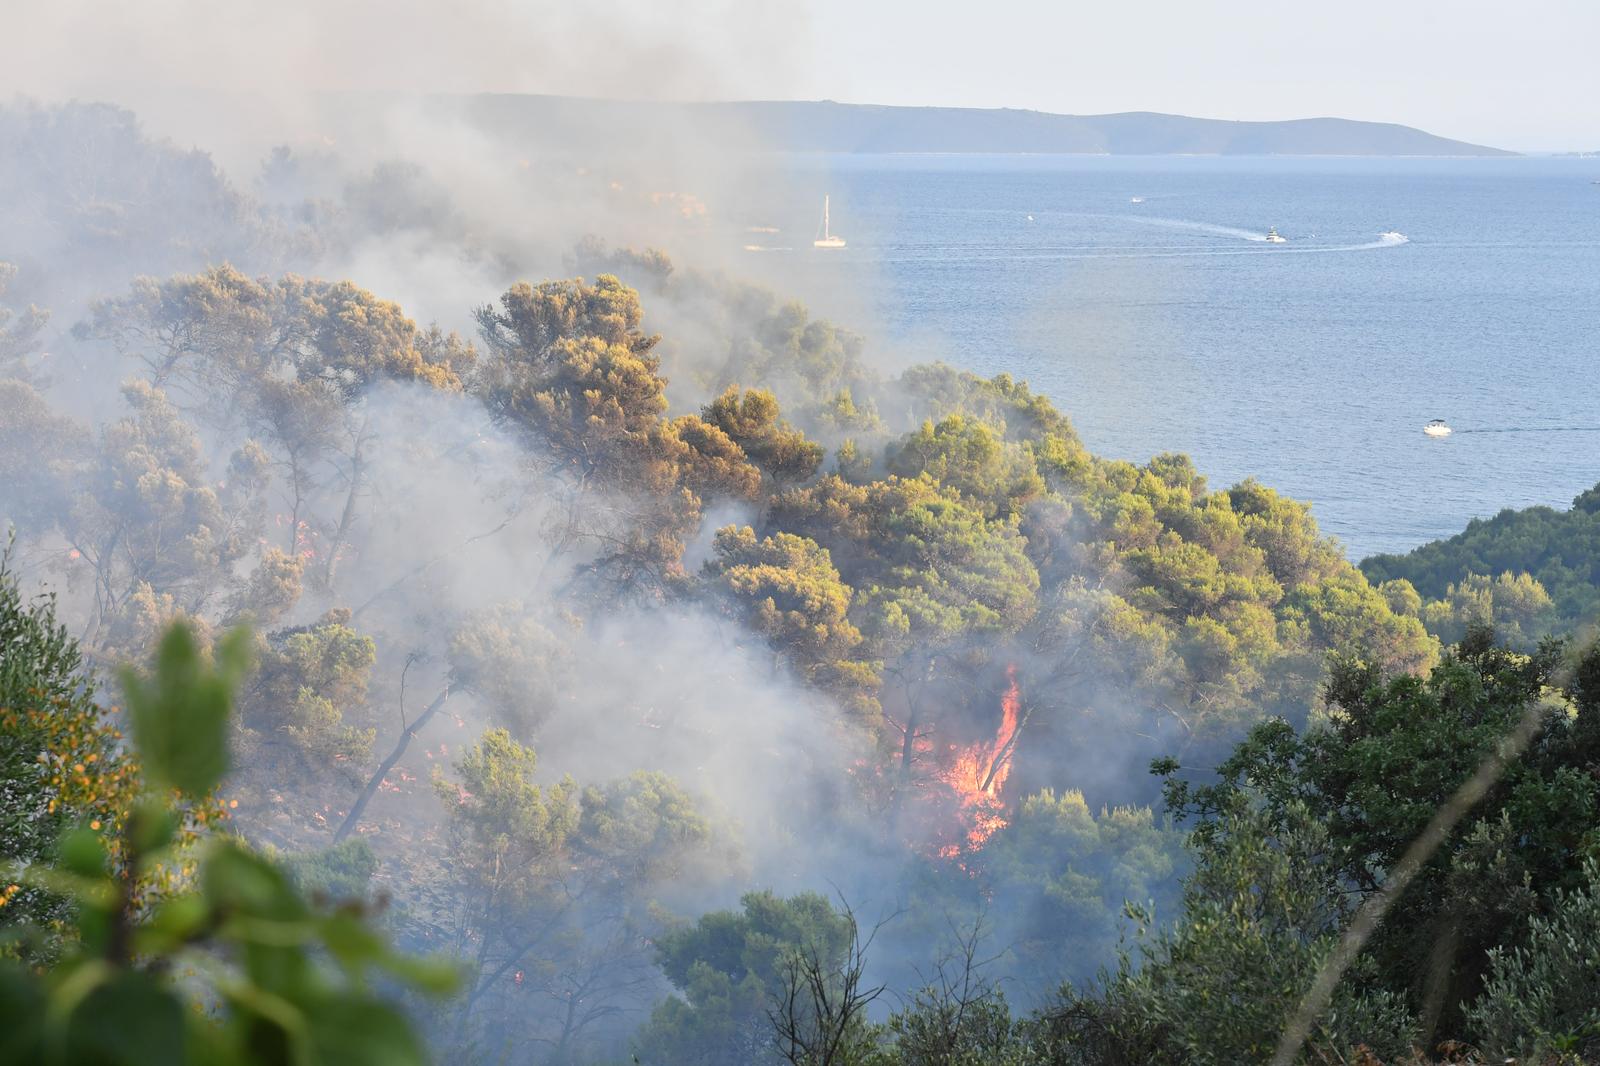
[[1529, 573], [631, 668]]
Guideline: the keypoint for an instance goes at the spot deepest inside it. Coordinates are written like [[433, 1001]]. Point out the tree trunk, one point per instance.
[[347, 518], [406, 736]]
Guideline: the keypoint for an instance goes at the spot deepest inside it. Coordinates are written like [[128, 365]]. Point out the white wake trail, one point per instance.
[[1195, 227]]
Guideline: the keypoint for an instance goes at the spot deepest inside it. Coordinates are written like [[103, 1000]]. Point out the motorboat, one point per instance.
[[827, 240], [1137, 200], [1437, 428], [1392, 236], [1274, 237]]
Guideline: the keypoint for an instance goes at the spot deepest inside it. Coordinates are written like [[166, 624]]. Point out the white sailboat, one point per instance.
[[827, 240]]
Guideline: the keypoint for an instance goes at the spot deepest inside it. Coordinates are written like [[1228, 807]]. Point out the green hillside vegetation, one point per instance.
[[1140, 611], [1531, 572]]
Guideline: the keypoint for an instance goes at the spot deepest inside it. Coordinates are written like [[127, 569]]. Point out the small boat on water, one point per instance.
[[1392, 236], [1274, 237], [827, 240], [1137, 200], [1437, 428]]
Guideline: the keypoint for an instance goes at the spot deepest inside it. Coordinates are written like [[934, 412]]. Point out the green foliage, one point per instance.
[[290, 362], [569, 361], [965, 454], [339, 874], [224, 330], [270, 978], [842, 414], [1542, 996], [60, 760], [930, 567], [754, 939], [1006, 404], [957, 575], [807, 359], [569, 366], [502, 820], [750, 419], [272, 589], [719, 1021], [1374, 774], [1286, 534], [786, 589], [1560, 550], [180, 713], [710, 463], [641, 827], [1167, 604], [1059, 875], [311, 680], [726, 968], [1350, 617], [148, 521], [938, 1029], [1516, 607], [1260, 913], [554, 892]]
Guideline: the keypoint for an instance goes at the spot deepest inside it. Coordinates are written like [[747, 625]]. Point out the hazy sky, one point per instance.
[[1519, 75]]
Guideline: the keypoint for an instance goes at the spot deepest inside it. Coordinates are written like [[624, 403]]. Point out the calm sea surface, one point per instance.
[[1170, 325]]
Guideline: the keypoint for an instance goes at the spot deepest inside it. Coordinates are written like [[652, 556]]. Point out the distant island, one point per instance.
[[826, 126]]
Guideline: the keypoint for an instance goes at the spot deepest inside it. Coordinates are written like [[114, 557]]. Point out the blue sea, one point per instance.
[[1139, 294]]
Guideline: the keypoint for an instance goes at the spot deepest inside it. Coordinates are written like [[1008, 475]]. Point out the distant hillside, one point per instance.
[[1561, 549], [824, 126]]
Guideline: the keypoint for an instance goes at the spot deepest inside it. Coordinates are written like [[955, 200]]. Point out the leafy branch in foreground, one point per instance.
[[234, 968]]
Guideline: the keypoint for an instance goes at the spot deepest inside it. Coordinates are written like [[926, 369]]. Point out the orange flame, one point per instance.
[[979, 772]]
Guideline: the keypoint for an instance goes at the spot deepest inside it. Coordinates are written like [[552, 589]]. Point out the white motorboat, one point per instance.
[[1437, 428], [1274, 237]]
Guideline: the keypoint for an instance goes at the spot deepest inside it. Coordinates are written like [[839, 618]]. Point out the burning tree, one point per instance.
[[979, 771]]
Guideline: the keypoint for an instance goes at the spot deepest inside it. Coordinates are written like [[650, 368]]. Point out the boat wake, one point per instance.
[[1532, 429], [1388, 239], [1196, 227], [1385, 240], [1280, 247], [1198, 253]]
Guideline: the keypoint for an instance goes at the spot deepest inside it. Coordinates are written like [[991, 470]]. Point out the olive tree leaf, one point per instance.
[[180, 713]]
